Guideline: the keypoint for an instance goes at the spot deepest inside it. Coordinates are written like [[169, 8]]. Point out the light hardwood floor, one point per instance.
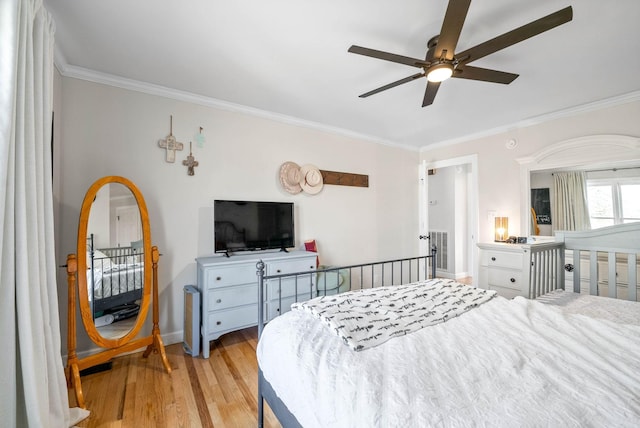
[[218, 392]]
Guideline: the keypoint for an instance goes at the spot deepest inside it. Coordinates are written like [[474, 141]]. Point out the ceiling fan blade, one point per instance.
[[451, 28], [515, 36], [413, 62], [430, 93], [393, 85], [484, 74]]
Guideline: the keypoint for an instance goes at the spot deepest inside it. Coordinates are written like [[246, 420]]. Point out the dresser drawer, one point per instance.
[[505, 278], [232, 296], [232, 319], [290, 266], [232, 275], [504, 259]]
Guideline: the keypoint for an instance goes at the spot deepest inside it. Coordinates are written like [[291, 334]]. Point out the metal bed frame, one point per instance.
[[366, 275], [116, 255]]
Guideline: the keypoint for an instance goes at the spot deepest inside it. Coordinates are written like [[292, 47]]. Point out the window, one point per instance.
[[613, 201]]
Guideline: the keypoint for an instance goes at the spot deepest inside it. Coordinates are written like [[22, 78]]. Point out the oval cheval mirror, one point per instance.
[[114, 274]]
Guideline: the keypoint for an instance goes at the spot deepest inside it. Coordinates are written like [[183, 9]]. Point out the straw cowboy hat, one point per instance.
[[310, 179], [290, 177]]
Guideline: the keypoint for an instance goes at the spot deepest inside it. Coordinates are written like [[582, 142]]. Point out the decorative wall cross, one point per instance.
[[190, 162], [170, 144]]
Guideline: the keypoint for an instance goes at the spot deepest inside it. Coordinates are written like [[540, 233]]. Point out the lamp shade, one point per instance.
[[501, 229]]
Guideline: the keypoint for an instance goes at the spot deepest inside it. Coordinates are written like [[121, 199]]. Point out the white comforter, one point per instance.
[[506, 363]]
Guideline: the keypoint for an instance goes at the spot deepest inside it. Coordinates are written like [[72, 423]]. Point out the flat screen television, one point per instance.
[[251, 225]]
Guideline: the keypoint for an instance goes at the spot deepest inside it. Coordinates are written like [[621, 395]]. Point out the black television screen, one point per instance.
[[249, 225]]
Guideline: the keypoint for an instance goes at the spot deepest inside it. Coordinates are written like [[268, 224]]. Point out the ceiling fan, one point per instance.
[[442, 62]]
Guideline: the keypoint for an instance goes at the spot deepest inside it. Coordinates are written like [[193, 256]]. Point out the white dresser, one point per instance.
[[527, 270], [229, 289]]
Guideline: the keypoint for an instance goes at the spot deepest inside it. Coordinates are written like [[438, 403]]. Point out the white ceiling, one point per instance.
[[288, 59]]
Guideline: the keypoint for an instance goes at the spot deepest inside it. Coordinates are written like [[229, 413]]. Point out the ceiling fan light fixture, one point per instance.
[[440, 72]]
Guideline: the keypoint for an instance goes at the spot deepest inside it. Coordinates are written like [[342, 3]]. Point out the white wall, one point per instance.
[[102, 130], [499, 172]]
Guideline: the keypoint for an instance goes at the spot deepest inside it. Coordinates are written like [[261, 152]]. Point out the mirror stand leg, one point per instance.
[[74, 380], [156, 340], [72, 371], [157, 346]]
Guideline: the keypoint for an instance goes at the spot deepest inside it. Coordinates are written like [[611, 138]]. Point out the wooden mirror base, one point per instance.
[[74, 365]]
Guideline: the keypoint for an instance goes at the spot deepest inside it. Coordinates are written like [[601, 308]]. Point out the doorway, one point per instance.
[[449, 214], [128, 227]]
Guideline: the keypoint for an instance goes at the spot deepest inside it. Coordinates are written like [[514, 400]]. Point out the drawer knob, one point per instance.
[[512, 280], [219, 301], [493, 259], [218, 278], [278, 271], [218, 322]]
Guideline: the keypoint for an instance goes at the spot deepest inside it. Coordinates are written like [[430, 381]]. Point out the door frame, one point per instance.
[[472, 206]]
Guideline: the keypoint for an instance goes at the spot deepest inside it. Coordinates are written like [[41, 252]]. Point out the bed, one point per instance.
[[566, 358], [115, 277]]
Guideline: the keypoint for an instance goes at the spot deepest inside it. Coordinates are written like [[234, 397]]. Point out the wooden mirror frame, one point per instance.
[[75, 264]]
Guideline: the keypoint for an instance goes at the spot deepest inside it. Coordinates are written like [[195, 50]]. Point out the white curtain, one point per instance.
[[571, 211], [34, 392]]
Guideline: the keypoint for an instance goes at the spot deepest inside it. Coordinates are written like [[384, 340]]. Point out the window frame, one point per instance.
[[616, 196]]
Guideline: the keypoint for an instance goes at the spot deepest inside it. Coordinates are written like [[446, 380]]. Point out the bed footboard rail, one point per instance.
[[333, 280], [121, 255]]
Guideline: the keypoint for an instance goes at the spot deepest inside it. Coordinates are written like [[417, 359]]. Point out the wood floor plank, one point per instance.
[[201, 402], [186, 406]]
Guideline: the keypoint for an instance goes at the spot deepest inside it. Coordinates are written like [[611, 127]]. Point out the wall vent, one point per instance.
[[441, 240]]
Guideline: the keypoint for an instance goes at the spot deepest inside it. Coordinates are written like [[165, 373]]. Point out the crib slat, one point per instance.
[[613, 284], [593, 273], [576, 271], [633, 277]]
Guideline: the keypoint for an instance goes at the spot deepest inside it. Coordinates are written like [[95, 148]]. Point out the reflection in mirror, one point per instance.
[[590, 153], [115, 260], [542, 202], [612, 195]]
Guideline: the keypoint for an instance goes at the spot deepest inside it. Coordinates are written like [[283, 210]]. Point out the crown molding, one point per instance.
[[89, 75], [571, 111]]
